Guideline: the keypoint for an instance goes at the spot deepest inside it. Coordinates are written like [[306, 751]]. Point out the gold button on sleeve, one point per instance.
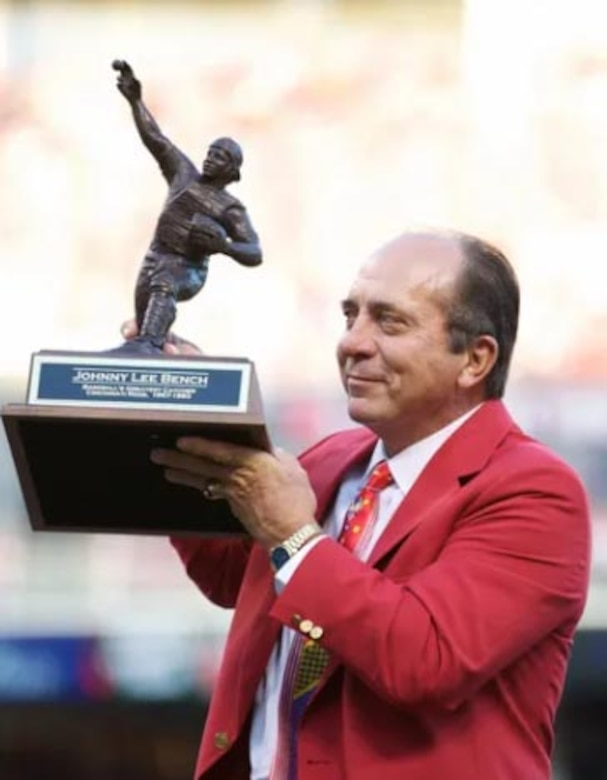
[[306, 626], [316, 632]]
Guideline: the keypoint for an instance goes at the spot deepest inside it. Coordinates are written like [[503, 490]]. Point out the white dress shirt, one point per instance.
[[405, 466]]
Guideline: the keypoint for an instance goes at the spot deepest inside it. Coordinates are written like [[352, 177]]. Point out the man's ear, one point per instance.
[[481, 357]]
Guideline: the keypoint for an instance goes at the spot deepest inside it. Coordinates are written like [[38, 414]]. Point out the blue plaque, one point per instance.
[[139, 383]]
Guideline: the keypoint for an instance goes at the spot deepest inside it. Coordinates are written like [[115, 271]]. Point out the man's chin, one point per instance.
[[361, 411]]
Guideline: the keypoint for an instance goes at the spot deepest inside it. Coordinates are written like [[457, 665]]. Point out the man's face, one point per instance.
[[217, 163], [394, 358]]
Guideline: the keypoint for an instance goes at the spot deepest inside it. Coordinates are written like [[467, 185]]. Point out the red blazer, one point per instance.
[[449, 647]]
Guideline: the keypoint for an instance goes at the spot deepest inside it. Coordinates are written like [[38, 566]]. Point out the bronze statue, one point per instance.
[[199, 219]]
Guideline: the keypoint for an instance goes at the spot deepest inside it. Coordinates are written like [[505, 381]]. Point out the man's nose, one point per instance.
[[358, 339]]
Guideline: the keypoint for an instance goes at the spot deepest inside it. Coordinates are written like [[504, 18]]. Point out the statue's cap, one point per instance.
[[231, 147]]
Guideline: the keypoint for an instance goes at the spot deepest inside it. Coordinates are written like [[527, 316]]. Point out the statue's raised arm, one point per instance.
[[164, 151]]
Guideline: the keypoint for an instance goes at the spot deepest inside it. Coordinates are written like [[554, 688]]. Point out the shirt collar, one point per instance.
[[408, 464]]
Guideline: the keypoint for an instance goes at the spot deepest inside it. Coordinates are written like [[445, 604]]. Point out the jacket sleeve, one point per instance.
[[513, 569], [217, 566]]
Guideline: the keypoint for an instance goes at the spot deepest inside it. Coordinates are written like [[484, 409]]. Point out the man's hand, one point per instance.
[[268, 492], [174, 344], [127, 84]]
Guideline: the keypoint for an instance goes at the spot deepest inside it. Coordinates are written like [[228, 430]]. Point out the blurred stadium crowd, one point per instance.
[[357, 120]]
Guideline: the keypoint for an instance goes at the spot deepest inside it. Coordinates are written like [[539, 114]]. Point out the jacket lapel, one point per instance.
[[459, 459]]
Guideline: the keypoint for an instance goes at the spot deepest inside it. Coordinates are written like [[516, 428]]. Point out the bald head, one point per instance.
[[433, 246], [416, 260]]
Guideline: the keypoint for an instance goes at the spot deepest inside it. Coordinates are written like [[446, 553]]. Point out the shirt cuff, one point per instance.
[[284, 574]]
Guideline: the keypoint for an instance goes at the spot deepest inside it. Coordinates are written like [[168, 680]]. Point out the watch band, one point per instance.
[[280, 554]]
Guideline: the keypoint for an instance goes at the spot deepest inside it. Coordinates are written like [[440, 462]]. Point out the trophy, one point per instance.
[[81, 441]]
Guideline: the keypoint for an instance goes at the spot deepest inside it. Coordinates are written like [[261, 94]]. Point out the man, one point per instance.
[[443, 637], [199, 218]]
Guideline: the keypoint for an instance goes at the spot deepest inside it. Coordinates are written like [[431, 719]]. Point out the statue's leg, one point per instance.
[[161, 306], [190, 279], [142, 288]]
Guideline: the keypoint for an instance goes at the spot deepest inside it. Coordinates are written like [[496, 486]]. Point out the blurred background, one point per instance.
[[357, 119]]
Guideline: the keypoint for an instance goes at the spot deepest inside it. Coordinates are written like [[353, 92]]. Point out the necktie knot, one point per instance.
[[380, 477], [362, 513]]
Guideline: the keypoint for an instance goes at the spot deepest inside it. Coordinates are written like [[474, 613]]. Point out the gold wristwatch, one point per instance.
[[280, 554]]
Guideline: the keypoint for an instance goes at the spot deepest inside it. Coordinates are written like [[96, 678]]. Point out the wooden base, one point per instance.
[[89, 469]]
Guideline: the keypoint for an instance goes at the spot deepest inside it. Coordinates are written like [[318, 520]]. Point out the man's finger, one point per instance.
[[183, 346], [223, 453], [190, 480], [197, 466], [128, 329]]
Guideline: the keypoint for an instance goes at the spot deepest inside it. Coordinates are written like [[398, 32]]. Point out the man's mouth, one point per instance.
[[362, 379], [363, 374]]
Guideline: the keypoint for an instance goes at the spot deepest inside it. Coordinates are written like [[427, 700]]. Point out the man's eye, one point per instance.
[[349, 317], [391, 321]]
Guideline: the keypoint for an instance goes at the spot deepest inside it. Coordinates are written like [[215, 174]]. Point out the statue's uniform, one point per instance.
[[173, 268]]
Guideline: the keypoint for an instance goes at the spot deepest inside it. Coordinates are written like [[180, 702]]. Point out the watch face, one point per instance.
[[279, 557]]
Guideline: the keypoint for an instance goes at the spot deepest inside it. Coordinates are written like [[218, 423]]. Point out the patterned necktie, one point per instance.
[[307, 659]]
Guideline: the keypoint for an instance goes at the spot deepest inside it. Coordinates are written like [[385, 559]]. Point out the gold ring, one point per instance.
[[210, 490]]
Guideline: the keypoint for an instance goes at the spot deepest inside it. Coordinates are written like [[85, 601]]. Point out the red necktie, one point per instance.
[[307, 659], [362, 512]]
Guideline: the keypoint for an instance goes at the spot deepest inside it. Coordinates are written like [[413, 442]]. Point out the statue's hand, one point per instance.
[[207, 235], [127, 84]]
